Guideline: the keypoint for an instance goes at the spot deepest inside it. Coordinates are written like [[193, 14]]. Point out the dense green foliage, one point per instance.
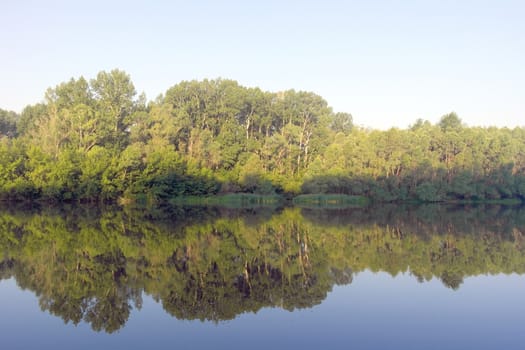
[[93, 265], [97, 140]]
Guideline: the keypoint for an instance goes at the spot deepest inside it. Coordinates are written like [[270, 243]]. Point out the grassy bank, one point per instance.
[[241, 200], [329, 200], [505, 201], [249, 200]]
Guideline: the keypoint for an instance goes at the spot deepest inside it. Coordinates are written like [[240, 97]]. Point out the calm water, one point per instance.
[[429, 277]]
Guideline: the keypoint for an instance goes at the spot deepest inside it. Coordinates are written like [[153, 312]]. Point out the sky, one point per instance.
[[388, 63]]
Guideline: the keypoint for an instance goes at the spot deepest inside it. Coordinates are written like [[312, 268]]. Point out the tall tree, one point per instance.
[[8, 120], [115, 100], [342, 122], [450, 122]]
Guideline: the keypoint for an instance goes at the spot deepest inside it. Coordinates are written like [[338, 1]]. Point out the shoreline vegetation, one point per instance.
[[215, 142], [319, 200], [244, 200], [250, 200]]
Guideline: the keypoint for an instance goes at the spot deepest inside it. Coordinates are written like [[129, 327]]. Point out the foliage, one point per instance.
[[8, 120], [328, 200], [96, 140], [235, 200]]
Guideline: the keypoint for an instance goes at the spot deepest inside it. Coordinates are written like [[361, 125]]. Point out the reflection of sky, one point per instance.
[[375, 311]]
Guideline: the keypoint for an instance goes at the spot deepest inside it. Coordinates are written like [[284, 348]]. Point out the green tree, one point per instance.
[[450, 122], [8, 120], [115, 100], [342, 122]]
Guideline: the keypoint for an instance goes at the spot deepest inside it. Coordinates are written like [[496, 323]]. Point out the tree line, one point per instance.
[[98, 140]]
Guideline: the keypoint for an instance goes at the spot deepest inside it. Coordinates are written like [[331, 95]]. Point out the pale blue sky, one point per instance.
[[386, 62]]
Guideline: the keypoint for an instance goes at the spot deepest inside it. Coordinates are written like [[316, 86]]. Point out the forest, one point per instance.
[[98, 140]]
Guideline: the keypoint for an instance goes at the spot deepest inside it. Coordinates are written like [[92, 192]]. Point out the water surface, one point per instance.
[[384, 277]]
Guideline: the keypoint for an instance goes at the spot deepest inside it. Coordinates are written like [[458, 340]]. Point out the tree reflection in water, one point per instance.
[[93, 265]]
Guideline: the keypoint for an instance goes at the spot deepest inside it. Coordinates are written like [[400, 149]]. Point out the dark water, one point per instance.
[[428, 277]]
